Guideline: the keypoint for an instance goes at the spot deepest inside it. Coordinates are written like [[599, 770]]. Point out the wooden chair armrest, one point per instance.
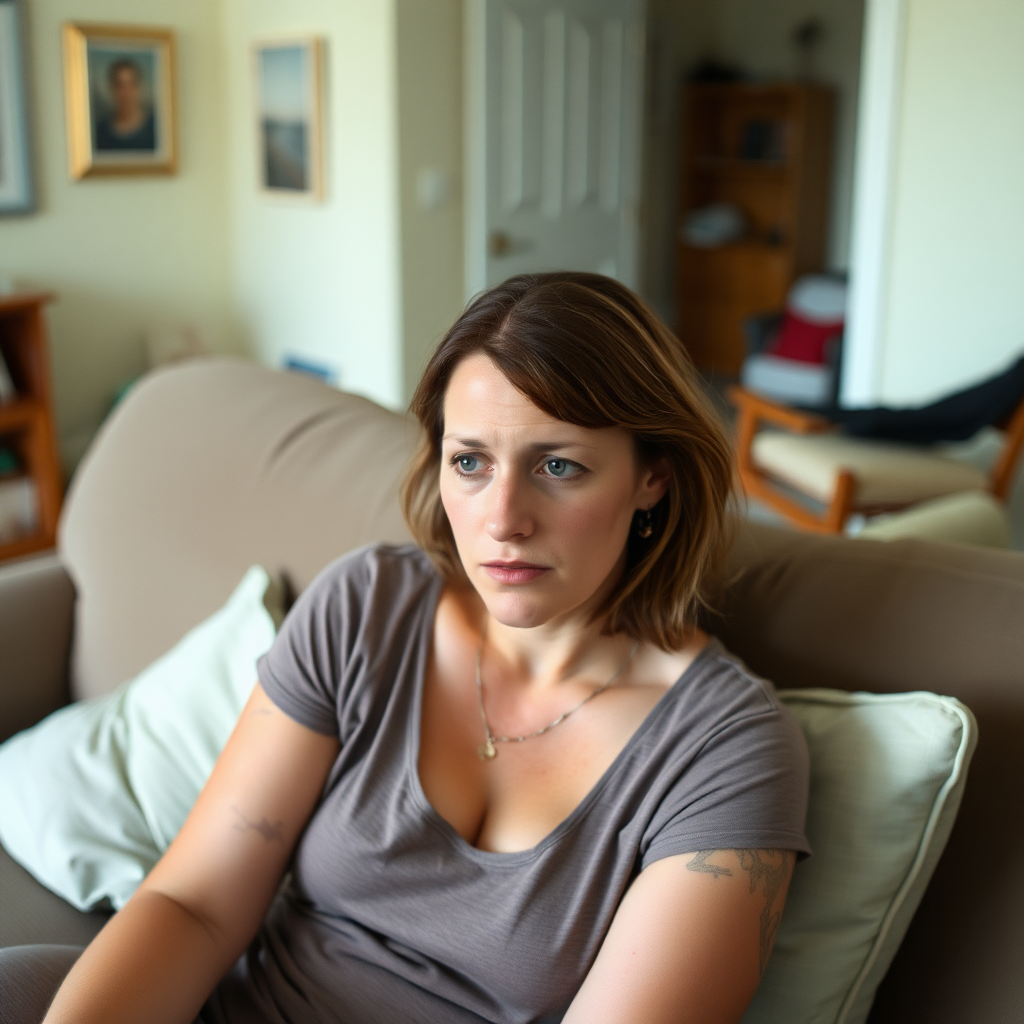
[[797, 420], [1005, 468]]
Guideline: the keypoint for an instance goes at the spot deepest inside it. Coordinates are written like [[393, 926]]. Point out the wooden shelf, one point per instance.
[[26, 424], [27, 545], [783, 194], [19, 414], [758, 168]]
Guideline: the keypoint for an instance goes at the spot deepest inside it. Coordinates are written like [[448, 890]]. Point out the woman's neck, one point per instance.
[[546, 656]]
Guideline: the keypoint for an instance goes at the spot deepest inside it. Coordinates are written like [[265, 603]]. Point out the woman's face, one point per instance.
[[540, 509]]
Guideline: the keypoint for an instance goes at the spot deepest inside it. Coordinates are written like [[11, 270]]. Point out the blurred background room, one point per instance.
[[822, 197]]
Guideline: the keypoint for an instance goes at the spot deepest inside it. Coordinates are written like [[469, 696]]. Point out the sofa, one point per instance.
[[213, 465]]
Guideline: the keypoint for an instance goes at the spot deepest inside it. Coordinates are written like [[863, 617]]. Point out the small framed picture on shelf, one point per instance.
[[119, 96], [288, 117], [16, 192]]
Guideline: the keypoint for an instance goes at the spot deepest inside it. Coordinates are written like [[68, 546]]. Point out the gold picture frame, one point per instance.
[[120, 100], [288, 107]]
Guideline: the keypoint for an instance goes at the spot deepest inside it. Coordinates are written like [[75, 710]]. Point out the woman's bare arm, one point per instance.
[[159, 958], [689, 941]]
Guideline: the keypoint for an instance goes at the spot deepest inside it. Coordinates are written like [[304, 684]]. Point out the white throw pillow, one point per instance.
[[93, 795], [887, 775]]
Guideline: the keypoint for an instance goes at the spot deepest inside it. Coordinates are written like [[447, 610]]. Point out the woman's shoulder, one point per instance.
[[720, 699], [374, 567], [372, 586]]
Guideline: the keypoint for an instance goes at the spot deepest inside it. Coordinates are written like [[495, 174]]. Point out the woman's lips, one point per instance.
[[513, 572]]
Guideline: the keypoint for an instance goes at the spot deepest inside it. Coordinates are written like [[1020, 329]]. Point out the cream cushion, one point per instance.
[[887, 776], [887, 474], [972, 517]]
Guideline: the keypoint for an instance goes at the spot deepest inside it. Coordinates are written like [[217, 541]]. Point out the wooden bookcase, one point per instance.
[[768, 150], [26, 424]]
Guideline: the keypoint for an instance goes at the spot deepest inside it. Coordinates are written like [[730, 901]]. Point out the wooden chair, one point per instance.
[[806, 454]]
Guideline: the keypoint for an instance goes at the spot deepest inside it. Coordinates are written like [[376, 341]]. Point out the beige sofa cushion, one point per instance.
[[281, 471], [886, 473]]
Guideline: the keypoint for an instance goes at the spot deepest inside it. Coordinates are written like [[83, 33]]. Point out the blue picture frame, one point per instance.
[[17, 194]]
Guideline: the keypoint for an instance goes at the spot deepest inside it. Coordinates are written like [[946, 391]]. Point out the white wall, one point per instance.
[[955, 296], [322, 280], [430, 152], [123, 254]]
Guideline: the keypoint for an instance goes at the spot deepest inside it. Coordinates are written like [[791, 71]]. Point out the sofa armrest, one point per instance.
[[37, 600]]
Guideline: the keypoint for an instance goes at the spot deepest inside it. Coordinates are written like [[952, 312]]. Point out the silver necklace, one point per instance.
[[487, 749]]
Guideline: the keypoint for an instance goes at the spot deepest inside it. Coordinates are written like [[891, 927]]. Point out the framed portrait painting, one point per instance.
[[288, 117], [16, 192], [119, 90]]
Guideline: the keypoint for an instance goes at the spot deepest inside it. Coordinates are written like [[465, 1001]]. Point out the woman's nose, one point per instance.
[[508, 516]]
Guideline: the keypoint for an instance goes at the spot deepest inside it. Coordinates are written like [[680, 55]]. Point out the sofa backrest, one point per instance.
[[203, 470]]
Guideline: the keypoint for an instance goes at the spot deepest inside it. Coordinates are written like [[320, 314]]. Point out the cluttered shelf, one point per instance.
[[30, 478], [19, 413]]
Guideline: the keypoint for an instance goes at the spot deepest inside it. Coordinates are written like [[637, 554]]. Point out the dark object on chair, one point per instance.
[[956, 417]]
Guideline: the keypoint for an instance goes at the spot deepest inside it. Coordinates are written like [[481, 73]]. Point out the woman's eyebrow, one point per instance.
[[537, 446]]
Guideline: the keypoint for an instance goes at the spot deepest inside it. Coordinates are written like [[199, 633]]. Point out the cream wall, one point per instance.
[[123, 254], [322, 280], [955, 295], [429, 37]]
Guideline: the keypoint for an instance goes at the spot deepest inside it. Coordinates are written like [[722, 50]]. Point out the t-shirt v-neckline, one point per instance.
[[414, 738]]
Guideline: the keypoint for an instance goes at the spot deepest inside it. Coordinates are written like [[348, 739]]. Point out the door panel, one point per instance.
[[561, 137]]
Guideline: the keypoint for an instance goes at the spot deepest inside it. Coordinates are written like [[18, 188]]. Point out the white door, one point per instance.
[[554, 107]]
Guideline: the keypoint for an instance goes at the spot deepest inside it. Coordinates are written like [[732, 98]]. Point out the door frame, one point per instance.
[[474, 112], [883, 49]]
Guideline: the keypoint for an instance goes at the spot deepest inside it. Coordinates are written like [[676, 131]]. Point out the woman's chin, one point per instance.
[[519, 611]]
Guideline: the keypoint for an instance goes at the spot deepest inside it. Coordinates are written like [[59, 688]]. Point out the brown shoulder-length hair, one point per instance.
[[586, 350]]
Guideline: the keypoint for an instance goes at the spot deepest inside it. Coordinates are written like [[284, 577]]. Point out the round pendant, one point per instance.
[[486, 751]]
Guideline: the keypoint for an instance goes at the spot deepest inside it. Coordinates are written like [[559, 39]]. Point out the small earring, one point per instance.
[[644, 524]]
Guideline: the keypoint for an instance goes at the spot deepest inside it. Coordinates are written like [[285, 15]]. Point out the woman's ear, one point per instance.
[[654, 481]]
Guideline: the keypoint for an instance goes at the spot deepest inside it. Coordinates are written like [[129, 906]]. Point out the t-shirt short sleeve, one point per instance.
[[301, 671], [337, 638], [746, 787]]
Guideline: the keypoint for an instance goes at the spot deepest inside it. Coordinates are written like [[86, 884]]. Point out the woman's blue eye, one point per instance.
[[467, 463], [559, 467]]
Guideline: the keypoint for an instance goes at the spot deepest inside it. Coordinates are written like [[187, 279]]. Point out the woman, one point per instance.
[[510, 777]]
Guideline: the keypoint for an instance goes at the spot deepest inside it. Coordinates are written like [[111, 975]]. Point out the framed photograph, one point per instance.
[[16, 192], [288, 117], [119, 91]]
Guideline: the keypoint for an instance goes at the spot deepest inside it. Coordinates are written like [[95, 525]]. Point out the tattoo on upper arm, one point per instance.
[[271, 833], [771, 866]]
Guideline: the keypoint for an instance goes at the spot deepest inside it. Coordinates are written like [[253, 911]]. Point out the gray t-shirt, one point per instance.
[[390, 915]]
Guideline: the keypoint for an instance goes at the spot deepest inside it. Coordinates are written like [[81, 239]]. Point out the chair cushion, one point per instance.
[[92, 796], [204, 469], [787, 380], [887, 474], [887, 775]]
